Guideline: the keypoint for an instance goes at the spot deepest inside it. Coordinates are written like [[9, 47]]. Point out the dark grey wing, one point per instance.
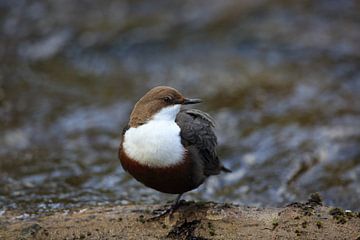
[[197, 134], [122, 136], [125, 129]]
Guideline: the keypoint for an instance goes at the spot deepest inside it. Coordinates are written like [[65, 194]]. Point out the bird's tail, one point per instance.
[[224, 169]]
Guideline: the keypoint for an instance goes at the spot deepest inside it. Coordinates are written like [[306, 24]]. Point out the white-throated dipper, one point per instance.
[[167, 148]]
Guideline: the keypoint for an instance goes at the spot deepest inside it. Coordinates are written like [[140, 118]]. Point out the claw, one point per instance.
[[169, 211]]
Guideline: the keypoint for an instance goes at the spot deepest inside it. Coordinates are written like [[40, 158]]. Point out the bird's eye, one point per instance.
[[167, 99]]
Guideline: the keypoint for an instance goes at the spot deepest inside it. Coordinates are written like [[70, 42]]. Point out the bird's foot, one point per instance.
[[163, 212], [169, 211], [160, 213]]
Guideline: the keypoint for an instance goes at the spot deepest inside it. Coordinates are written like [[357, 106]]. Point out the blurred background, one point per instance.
[[281, 78]]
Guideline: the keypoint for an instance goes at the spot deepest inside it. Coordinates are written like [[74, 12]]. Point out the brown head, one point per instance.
[[155, 100]]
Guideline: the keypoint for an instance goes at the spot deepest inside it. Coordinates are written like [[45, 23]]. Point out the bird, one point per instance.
[[167, 147]]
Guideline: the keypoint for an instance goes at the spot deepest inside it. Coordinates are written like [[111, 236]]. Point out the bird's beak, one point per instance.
[[191, 101]]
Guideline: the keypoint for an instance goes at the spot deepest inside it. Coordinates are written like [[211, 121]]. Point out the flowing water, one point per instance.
[[281, 79]]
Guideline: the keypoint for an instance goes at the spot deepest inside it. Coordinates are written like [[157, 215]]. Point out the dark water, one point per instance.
[[281, 79]]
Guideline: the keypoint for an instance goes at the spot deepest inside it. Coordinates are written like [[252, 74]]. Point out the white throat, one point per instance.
[[156, 143]]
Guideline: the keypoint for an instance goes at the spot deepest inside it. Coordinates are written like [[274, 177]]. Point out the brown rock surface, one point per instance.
[[192, 220]]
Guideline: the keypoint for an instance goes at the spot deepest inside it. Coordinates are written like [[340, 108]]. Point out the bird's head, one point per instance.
[[160, 103]]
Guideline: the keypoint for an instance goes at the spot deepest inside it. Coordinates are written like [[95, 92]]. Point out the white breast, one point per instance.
[[156, 143]]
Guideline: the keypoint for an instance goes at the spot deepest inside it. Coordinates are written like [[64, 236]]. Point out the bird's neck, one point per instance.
[[139, 117]]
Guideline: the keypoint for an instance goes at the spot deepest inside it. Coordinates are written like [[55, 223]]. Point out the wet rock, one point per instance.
[[184, 230]]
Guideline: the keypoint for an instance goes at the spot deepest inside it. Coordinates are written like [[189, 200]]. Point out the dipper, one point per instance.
[[167, 148]]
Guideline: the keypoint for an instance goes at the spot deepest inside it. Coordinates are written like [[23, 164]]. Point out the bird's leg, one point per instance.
[[169, 210], [177, 203]]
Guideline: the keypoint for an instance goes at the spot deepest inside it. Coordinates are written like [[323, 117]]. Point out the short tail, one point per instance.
[[224, 169]]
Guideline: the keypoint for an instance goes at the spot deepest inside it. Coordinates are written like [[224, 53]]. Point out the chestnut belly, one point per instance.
[[175, 179]]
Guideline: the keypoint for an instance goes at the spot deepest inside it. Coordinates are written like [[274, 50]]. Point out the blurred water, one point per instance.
[[281, 79]]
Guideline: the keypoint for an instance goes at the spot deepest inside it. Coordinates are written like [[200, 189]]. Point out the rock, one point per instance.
[[308, 220]]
